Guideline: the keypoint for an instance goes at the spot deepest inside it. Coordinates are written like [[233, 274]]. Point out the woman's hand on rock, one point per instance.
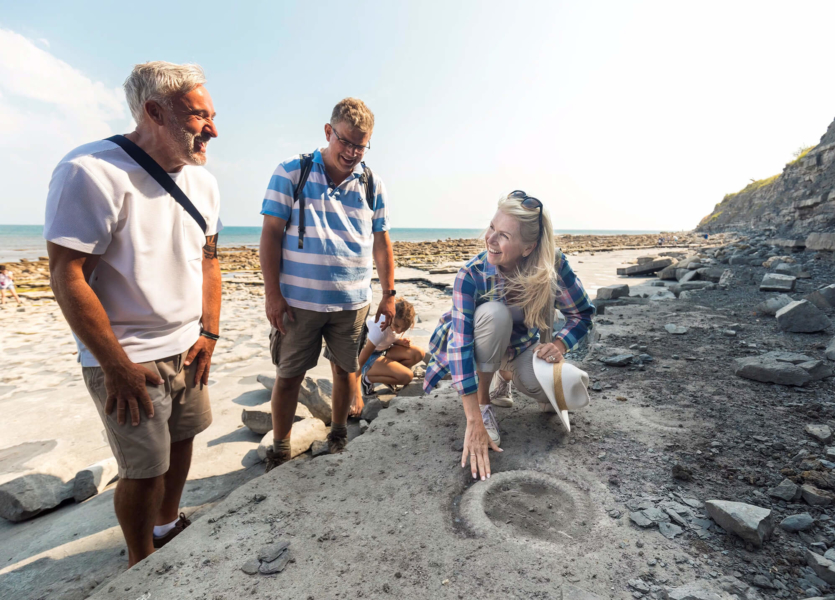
[[553, 353], [476, 444]]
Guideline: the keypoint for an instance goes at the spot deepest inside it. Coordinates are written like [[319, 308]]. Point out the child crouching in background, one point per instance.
[[388, 357]]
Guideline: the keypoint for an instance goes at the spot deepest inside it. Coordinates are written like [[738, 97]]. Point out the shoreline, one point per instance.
[[32, 276]]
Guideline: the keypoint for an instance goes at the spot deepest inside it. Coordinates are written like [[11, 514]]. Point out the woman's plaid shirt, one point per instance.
[[452, 345]]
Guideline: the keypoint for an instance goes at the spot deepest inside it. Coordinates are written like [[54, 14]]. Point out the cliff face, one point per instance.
[[799, 201]]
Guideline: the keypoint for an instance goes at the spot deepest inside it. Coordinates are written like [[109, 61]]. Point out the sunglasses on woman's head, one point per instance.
[[530, 203]]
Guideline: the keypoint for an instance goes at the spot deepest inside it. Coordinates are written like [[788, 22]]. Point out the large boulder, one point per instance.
[[29, 495], [610, 292], [801, 316], [767, 369], [818, 369], [823, 298], [302, 436], [770, 306], [753, 524], [668, 273], [820, 241], [795, 523], [257, 421], [823, 568], [713, 274], [787, 490], [814, 496], [774, 282], [646, 268], [92, 480], [819, 431]]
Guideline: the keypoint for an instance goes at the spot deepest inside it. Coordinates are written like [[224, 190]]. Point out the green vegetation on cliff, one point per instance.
[[754, 185]]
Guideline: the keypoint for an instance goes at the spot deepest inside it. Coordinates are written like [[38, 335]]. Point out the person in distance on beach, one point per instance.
[[7, 284], [138, 280], [325, 219], [501, 301]]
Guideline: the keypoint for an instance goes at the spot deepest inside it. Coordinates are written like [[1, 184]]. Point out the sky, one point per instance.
[[617, 115]]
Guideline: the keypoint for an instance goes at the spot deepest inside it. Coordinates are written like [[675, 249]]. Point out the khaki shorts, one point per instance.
[[297, 351], [181, 411]]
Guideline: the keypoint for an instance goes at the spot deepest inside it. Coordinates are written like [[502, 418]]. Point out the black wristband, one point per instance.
[[207, 334]]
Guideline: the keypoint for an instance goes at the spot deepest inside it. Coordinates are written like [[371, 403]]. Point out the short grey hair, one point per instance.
[[159, 81]]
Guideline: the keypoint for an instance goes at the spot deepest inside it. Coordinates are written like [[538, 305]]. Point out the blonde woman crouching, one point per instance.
[[501, 300]]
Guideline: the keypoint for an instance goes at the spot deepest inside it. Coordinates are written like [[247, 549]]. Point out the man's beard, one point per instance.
[[184, 141]]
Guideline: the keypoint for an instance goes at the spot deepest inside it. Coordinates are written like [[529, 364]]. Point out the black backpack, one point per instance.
[[306, 162]]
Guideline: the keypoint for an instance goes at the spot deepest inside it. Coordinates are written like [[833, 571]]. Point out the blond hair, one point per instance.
[[533, 285], [354, 112], [159, 81]]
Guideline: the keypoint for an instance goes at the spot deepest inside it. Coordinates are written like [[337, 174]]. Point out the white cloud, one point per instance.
[[47, 108], [44, 41]]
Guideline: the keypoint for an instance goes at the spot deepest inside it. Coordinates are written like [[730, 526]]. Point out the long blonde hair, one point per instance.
[[533, 285]]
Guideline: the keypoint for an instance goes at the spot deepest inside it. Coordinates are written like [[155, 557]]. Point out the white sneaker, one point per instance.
[[490, 423], [500, 395]]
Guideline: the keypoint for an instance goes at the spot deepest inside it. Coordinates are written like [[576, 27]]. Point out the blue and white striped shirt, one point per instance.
[[333, 270]]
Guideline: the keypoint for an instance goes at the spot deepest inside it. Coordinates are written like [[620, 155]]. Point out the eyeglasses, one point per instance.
[[350, 145], [530, 203]]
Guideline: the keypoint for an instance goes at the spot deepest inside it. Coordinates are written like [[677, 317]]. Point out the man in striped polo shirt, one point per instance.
[[322, 287]]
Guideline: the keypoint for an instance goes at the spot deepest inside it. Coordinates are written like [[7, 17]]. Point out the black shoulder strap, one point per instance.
[[305, 164], [158, 173], [368, 181]]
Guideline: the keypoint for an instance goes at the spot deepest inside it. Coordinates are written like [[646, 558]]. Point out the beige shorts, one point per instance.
[[181, 411], [297, 351]]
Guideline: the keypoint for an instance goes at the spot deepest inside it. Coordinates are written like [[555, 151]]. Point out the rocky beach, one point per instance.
[[701, 469]]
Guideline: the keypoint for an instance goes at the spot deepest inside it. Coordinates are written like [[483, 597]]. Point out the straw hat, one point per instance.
[[565, 385]]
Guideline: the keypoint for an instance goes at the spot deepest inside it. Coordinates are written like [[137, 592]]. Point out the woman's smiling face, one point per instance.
[[504, 242]]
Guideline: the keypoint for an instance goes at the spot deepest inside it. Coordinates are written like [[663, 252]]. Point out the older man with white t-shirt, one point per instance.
[[132, 227]]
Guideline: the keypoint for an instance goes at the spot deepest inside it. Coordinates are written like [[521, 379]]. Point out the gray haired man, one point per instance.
[[134, 268]]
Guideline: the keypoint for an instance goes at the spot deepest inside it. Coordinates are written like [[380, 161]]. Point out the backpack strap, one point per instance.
[[367, 179], [305, 164], [144, 160]]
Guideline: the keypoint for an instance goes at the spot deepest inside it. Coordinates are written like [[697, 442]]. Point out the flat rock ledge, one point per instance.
[[391, 495]]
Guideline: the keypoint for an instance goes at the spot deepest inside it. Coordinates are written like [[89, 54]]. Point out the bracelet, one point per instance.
[[207, 334]]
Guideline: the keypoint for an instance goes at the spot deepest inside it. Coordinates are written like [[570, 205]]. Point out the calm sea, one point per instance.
[[26, 241]]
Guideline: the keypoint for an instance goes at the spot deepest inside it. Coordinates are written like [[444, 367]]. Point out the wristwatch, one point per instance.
[[389, 293]]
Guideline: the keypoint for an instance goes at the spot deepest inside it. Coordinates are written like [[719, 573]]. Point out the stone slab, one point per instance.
[[820, 241], [646, 268], [753, 524], [611, 292], [774, 282], [30, 495], [767, 370], [801, 316]]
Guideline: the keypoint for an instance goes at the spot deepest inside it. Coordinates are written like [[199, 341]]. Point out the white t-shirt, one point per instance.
[[382, 340], [149, 278]]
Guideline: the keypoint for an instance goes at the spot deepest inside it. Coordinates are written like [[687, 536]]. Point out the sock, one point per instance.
[[281, 447], [339, 430], [161, 530]]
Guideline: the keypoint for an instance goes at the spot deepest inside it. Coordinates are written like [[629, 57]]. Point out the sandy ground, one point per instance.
[[51, 427]]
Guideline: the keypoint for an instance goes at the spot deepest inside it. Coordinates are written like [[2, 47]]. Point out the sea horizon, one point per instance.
[[26, 241]]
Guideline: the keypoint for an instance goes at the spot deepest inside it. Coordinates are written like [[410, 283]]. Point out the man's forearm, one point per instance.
[[270, 257], [88, 319], [211, 295], [384, 259]]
